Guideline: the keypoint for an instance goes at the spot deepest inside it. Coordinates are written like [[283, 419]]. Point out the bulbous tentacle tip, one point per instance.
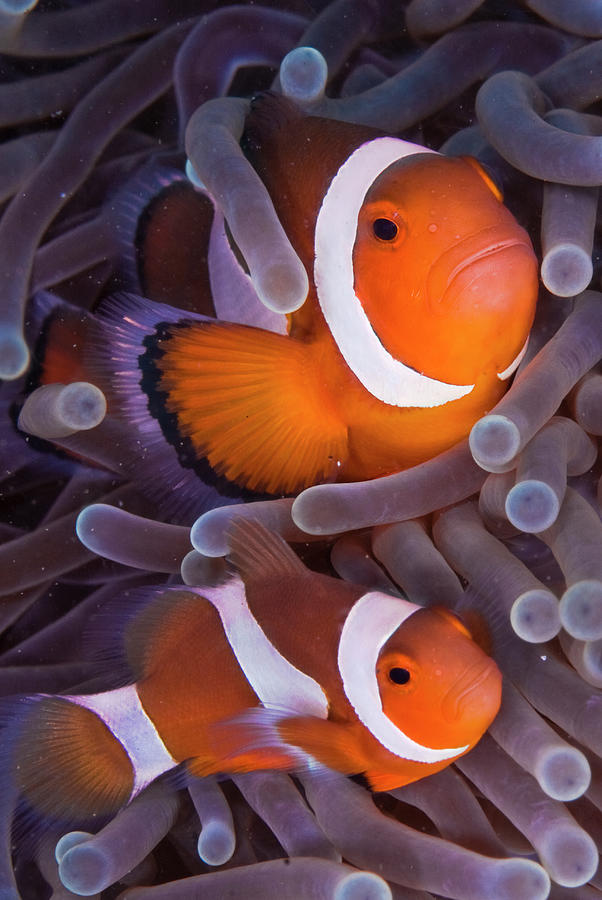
[[14, 355]]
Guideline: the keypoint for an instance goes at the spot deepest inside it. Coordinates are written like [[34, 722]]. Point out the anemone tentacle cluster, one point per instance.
[[504, 528]]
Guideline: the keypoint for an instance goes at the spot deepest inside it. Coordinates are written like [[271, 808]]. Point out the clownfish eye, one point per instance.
[[398, 675], [385, 229]]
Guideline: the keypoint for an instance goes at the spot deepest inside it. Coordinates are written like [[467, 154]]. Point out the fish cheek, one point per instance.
[[380, 266]]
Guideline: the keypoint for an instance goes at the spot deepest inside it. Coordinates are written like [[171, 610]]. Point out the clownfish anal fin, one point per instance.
[[248, 401], [257, 553]]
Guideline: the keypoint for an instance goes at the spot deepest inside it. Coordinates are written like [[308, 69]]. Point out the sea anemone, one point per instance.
[[504, 527]]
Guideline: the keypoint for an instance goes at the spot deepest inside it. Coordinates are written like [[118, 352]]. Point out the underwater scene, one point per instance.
[[301, 404]]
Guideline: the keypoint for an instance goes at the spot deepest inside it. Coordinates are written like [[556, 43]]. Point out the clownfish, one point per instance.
[[277, 668], [422, 294]]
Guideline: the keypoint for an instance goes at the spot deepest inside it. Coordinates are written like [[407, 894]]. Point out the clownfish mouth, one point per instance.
[[465, 689], [486, 253]]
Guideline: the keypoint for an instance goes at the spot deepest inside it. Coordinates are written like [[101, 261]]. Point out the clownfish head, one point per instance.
[[444, 273], [435, 682]]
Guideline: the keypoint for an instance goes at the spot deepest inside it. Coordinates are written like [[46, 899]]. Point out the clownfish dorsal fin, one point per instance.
[[270, 114], [258, 553]]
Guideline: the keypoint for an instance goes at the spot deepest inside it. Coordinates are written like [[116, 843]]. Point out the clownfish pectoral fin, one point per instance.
[[330, 743], [246, 742], [65, 762], [248, 401], [301, 741]]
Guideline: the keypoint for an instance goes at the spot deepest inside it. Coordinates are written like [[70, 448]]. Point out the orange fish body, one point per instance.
[[422, 297], [240, 678], [422, 294]]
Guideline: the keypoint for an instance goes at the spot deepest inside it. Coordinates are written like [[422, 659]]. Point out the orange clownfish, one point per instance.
[[422, 294], [278, 668]]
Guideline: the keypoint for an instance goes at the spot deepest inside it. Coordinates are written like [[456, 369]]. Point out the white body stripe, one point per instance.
[[368, 626], [274, 679], [503, 376], [124, 715], [385, 377]]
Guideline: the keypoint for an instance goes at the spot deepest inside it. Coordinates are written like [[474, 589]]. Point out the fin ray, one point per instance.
[[241, 395]]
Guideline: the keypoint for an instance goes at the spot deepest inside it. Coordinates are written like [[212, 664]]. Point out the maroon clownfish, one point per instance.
[[421, 298], [278, 668]]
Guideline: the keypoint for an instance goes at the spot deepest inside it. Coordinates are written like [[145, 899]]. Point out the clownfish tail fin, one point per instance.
[[63, 760], [258, 553]]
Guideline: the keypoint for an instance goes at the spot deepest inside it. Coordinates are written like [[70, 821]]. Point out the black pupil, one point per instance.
[[399, 676], [384, 229]]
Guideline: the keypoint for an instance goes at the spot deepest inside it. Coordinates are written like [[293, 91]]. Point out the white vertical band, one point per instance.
[[125, 717], [368, 626], [276, 681], [385, 377]]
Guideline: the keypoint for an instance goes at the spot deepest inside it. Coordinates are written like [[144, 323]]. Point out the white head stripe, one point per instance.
[[514, 364], [273, 678], [385, 377], [368, 626], [124, 715]]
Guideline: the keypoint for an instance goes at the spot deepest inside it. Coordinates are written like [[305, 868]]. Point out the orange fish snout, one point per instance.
[[474, 697], [482, 292]]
